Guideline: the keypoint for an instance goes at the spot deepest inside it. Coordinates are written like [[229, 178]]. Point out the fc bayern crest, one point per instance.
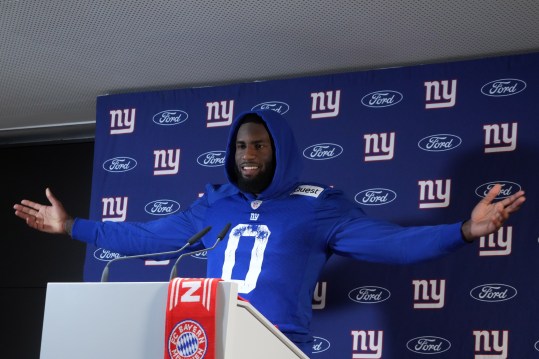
[[187, 341], [255, 204]]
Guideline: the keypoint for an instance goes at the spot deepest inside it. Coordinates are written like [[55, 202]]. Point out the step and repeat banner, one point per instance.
[[414, 145]]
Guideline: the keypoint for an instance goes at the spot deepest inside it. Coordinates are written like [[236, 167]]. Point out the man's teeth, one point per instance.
[[250, 167]]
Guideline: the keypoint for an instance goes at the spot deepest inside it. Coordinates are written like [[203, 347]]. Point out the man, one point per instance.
[[277, 255]]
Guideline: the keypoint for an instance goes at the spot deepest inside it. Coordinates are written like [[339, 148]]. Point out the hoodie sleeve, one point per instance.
[[354, 234], [130, 238]]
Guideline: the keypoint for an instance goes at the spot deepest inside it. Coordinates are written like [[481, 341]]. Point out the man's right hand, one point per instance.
[[50, 219]]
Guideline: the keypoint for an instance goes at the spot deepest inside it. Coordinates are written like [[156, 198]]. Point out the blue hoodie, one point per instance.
[[279, 240]]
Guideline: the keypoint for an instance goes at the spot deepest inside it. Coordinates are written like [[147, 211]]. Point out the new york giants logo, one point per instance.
[[319, 296], [499, 138], [497, 244], [367, 343], [440, 94], [434, 194], [122, 121], [325, 104], [379, 146], [114, 209], [220, 113], [166, 162], [491, 344], [429, 294]]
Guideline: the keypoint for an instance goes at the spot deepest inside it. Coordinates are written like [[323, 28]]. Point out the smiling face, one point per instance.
[[255, 164]]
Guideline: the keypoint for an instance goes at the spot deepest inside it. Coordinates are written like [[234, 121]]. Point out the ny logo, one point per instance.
[[429, 294], [325, 104], [319, 296], [491, 344], [367, 343], [166, 162], [122, 121], [220, 113], [498, 138], [381, 145], [497, 244], [440, 94], [433, 194], [114, 209], [254, 216]]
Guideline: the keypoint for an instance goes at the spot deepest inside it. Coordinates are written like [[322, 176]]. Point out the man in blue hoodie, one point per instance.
[[283, 231]]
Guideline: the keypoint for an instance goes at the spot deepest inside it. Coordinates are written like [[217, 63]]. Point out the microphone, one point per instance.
[[190, 241], [220, 236]]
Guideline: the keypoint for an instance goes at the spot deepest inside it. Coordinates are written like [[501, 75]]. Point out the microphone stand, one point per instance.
[[220, 236], [193, 239]]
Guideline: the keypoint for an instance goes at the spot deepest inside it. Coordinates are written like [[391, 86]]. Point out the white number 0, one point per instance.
[[261, 234]]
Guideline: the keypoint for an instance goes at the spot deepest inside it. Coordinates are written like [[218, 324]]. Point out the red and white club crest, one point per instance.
[[187, 341]]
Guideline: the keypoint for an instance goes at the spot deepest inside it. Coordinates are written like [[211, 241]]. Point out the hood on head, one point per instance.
[[286, 153]]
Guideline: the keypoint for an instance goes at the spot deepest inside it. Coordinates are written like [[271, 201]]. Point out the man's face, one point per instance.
[[254, 158]]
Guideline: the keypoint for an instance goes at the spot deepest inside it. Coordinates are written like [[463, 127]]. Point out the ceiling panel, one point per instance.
[[57, 57]]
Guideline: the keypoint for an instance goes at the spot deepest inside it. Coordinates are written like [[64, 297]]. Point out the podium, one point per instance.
[[127, 320]]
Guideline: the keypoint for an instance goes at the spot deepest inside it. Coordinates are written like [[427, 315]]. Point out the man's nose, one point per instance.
[[249, 153]]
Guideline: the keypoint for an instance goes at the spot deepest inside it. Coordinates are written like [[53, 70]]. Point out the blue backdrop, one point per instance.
[[414, 145]]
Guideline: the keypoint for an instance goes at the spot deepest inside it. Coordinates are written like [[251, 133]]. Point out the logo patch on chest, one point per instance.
[[255, 204], [254, 216], [308, 190]]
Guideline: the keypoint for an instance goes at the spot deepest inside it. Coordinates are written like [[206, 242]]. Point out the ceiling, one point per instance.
[[57, 56]]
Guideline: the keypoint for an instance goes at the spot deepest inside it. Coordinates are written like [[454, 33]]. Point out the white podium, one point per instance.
[[127, 320]]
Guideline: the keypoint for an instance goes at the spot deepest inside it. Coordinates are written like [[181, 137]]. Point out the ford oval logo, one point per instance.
[[277, 106], [105, 255], [369, 295], [384, 98], [428, 345], [162, 207], [170, 117], [322, 151], [212, 159], [438, 143], [320, 345], [201, 255], [493, 292], [375, 196], [119, 164], [508, 189], [503, 87]]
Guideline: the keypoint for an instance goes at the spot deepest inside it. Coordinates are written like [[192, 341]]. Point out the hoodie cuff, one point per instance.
[[462, 234], [84, 230]]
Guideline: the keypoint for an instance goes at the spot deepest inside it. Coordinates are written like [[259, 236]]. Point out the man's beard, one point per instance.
[[256, 184]]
